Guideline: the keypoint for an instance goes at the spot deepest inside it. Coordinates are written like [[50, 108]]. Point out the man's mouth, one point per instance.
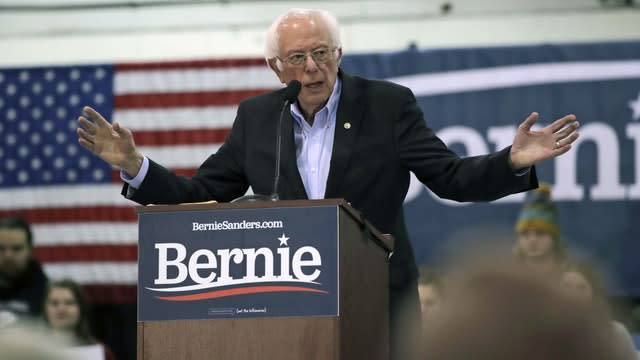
[[314, 85]]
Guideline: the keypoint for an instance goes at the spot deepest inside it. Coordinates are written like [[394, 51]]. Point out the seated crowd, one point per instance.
[[538, 303], [54, 315]]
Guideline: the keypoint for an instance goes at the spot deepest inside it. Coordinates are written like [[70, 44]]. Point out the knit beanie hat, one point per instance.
[[539, 212]]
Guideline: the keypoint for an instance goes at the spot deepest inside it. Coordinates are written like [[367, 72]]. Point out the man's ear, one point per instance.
[[273, 64], [339, 55]]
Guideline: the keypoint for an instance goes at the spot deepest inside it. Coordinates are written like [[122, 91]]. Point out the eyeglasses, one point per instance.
[[319, 56]]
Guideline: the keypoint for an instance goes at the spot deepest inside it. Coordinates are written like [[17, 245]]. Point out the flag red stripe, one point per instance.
[[110, 294], [184, 99], [239, 291], [66, 253], [191, 64], [181, 137], [188, 172], [75, 214]]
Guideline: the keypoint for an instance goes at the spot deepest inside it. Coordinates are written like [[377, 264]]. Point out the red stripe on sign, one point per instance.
[[239, 291], [110, 294], [184, 99], [181, 137], [188, 172], [74, 214], [192, 64], [67, 253]]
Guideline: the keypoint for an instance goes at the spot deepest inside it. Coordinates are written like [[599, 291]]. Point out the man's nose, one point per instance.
[[310, 64]]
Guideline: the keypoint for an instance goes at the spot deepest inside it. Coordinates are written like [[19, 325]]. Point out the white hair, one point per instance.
[[271, 49]]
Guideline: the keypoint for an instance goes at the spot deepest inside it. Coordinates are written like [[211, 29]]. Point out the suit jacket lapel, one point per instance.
[[348, 121], [290, 176]]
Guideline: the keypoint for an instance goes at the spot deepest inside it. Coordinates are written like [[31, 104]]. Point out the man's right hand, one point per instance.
[[112, 143]]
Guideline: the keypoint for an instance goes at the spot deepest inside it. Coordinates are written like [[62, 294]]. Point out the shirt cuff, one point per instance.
[[519, 172], [136, 181]]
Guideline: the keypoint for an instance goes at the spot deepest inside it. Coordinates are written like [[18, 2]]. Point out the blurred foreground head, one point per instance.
[[497, 310], [28, 342]]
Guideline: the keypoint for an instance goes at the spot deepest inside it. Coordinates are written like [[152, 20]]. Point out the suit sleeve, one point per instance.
[[476, 178], [221, 177]]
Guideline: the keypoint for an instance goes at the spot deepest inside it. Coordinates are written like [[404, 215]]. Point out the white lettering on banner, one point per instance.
[[251, 255], [163, 263], [240, 225], [566, 187], [633, 132], [297, 263], [305, 265], [608, 186], [195, 265]]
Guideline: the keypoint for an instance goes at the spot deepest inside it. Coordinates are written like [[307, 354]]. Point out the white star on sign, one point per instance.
[[635, 107], [283, 240]]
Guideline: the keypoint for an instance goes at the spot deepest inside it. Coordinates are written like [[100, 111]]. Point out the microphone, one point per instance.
[[291, 93]]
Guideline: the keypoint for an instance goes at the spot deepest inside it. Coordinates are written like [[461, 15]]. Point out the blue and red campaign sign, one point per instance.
[[238, 263]]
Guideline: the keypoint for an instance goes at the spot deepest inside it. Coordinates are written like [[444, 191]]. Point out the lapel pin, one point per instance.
[[347, 125]]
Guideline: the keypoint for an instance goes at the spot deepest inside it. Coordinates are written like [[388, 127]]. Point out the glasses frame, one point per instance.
[[287, 59]]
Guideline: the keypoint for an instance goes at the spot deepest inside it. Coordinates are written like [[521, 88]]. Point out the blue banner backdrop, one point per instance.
[[474, 99]]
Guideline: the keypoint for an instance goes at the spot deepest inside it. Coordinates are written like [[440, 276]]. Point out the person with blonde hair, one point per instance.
[[585, 284], [538, 242]]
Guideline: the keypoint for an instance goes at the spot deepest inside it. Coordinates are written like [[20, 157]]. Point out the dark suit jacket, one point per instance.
[[369, 168]]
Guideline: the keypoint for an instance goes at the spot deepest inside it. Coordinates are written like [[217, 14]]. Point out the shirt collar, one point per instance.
[[330, 107]]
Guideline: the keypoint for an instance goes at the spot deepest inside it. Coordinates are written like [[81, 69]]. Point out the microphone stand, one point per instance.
[[290, 94]]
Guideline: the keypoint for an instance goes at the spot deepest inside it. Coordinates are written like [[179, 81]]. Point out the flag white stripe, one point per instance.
[[86, 233], [179, 156], [520, 75], [211, 117], [194, 80], [62, 196], [99, 273], [30, 197]]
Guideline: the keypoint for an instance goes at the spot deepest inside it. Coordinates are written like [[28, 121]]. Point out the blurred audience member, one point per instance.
[[430, 289], [66, 313], [538, 233], [584, 284], [500, 310], [22, 281], [27, 342]]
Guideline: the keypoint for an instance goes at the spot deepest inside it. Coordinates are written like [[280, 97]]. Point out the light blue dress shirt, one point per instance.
[[314, 144]]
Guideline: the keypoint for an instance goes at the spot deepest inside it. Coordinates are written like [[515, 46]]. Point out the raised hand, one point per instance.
[[531, 147], [112, 143]]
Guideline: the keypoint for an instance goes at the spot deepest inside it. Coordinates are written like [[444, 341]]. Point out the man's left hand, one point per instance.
[[531, 147]]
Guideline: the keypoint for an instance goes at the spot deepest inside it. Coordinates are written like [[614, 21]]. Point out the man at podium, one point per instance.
[[341, 137]]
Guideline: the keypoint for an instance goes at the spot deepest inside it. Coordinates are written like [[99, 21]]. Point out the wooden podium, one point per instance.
[[359, 329]]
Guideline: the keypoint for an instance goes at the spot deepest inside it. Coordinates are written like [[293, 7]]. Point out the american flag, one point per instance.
[[180, 112]]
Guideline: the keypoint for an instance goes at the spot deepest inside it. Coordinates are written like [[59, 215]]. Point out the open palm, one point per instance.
[[112, 143], [531, 147]]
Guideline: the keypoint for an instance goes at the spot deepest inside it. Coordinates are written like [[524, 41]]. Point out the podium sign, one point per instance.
[[238, 263]]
